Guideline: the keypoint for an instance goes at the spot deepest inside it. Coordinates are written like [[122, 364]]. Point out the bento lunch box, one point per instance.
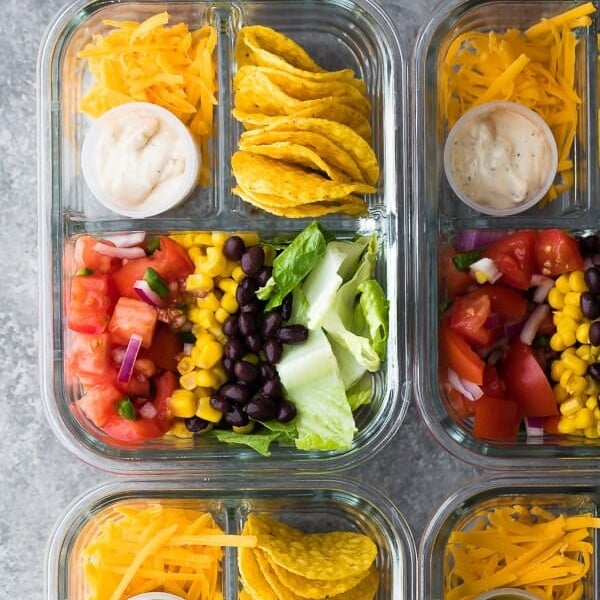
[[309, 504], [358, 35], [441, 217]]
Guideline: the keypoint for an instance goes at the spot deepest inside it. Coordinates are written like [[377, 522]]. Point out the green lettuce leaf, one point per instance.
[[374, 308], [361, 392]]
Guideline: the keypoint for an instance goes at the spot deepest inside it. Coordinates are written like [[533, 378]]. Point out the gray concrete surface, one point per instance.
[[38, 477]]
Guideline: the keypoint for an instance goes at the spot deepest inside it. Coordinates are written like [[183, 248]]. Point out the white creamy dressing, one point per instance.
[[500, 159], [140, 160]]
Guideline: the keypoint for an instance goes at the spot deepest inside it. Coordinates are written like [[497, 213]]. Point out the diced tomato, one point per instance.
[[551, 424], [452, 281], [492, 383], [166, 384], [496, 418], [505, 301], [459, 356], [514, 256], [556, 252], [91, 301], [86, 257], [166, 345], [468, 316], [170, 261], [527, 383], [462, 407], [98, 403], [137, 386], [132, 430], [132, 316], [89, 355]]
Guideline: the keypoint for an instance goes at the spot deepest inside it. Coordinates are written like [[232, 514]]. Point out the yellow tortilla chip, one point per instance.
[[251, 576]]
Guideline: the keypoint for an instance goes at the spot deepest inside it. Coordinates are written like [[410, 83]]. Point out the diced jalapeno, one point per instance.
[[464, 260], [156, 282], [125, 409]]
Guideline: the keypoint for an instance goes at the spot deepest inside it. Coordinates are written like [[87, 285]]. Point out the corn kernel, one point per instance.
[[570, 407], [229, 303], [205, 378], [238, 274], [228, 285], [577, 384], [215, 262], [577, 281], [591, 432], [207, 355], [218, 238], [568, 337], [573, 311], [202, 391], [592, 387], [196, 254], [250, 238], [203, 238], [247, 428], [195, 315], [206, 411], [183, 404], [208, 302], [556, 299], [219, 372], [583, 351], [221, 315], [179, 430], [556, 343], [217, 332], [562, 283], [583, 418], [596, 413], [556, 370], [572, 298], [574, 363], [199, 282], [591, 402], [185, 365], [566, 425], [188, 380], [560, 393]]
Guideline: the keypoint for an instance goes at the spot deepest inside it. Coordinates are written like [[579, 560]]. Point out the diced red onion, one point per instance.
[[126, 240], [148, 410], [534, 426], [543, 286], [514, 328], [113, 251], [471, 391], [487, 267], [133, 348], [474, 239], [146, 293], [535, 319]]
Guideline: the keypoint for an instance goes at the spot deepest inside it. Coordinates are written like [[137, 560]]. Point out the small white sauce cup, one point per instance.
[[476, 113], [156, 596], [506, 593], [188, 180]]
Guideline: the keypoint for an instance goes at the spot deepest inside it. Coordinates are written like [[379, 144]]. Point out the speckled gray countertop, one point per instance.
[[38, 477]]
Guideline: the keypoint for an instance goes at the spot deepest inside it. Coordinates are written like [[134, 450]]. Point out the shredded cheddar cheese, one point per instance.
[[535, 68], [134, 548], [532, 549], [151, 62]]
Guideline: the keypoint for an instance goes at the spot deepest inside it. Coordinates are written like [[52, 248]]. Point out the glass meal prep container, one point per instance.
[[548, 496], [442, 220], [357, 35], [307, 504]]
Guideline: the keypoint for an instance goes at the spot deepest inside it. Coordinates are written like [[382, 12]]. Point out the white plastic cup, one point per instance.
[[176, 194], [480, 111], [505, 594]]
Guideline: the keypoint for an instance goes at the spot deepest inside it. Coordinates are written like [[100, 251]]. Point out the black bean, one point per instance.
[[272, 321], [292, 334], [272, 349], [286, 411], [196, 424], [271, 388], [228, 365], [254, 342], [263, 275], [220, 403], [594, 333], [592, 279], [594, 371], [247, 323], [234, 247], [252, 260], [252, 306], [230, 326], [590, 305], [266, 371], [235, 393], [245, 291], [286, 307], [234, 349], [261, 409], [245, 371], [236, 417]]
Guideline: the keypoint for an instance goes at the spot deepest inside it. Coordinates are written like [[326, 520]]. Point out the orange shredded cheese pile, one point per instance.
[[535, 68], [135, 548], [150, 62], [514, 546]]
